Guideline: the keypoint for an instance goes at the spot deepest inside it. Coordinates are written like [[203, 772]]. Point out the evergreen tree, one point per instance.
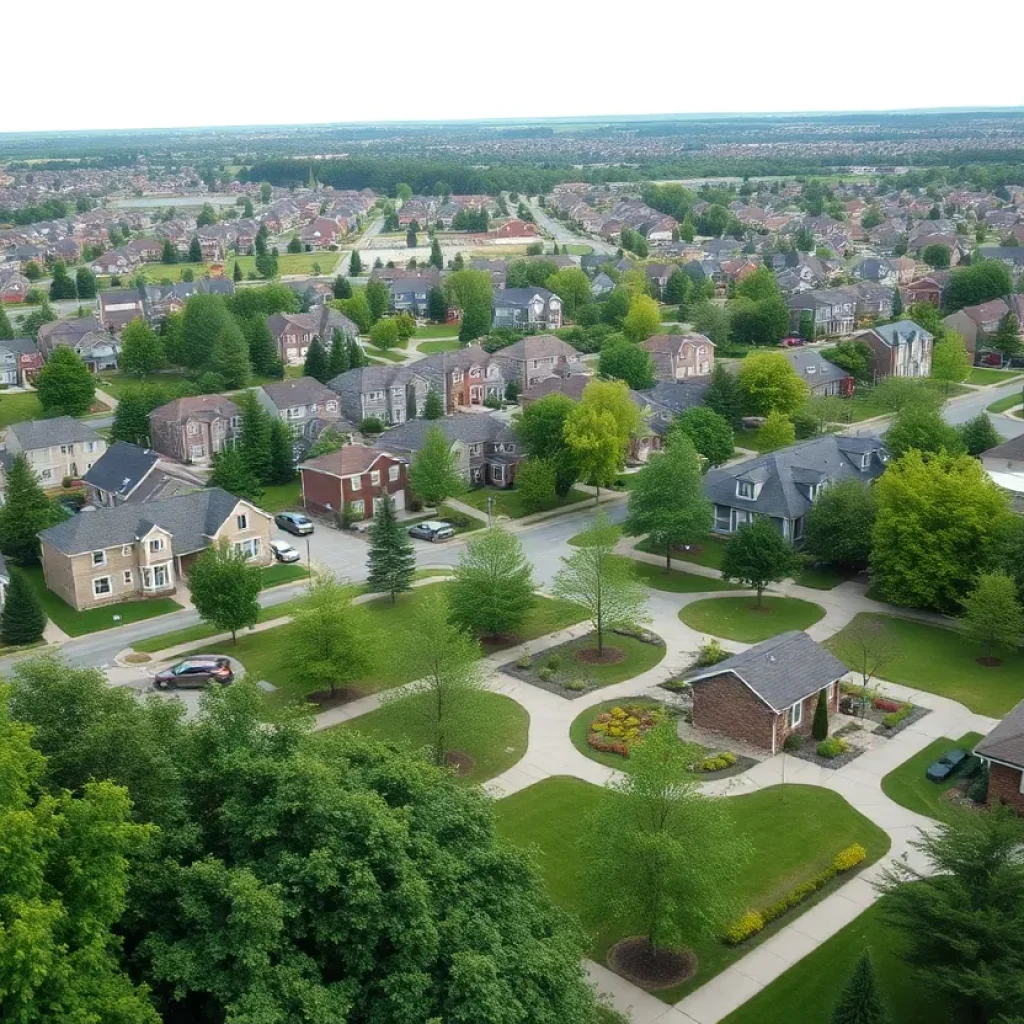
[[254, 437], [897, 304], [142, 349], [316, 364], [337, 359], [282, 459], [262, 348], [170, 253], [860, 1001], [437, 308], [979, 434], [392, 560], [356, 356], [723, 394], [195, 250], [22, 620], [819, 727], [26, 511], [378, 298], [6, 330], [232, 474], [85, 283], [131, 417], [436, 259], [294, 244], [341, 288], [433, 407], [236, 273], [355, 265], [64, 384], [61, 285], [231, 357]]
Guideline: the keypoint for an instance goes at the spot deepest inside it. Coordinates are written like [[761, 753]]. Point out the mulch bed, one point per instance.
[[987, 662], [343, 695], [636, 960], [460, 762], [592, 656]]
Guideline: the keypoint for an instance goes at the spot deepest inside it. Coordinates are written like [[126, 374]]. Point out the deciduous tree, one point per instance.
[[978, 434], [392, 561], [923, 428], [776, 432], [951, 363], [6, 330], [992, 614], [540, 431], [838, 526], [599, 428], [434, 474], [572, 286], [378, 298], [757, 554], [472, 291], [492, 590], [627, 362], [536, 482], [642, 320], [142, 349], [64, 384], [384, 333], [711, 434], [225, 588], [768, 383], [85, 283]]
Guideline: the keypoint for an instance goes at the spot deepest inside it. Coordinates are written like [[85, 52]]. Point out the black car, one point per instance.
[[199, 670], [953, 762], [294, 522]]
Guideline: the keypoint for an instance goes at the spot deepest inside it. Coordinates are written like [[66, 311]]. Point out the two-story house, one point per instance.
[[527, 309], [465, 378], [784, 484], [833, 311], [821, 376], [120, 306], [678, 356], [194, 429], [20, 360], [900, 349], [56, 449], [391, 394], [354, 477], [143, 550], [294, 332], [306, 406], [537, 357], [130, 473]]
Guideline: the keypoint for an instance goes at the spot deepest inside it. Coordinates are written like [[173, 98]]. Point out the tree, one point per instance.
[[711, 434], [131, 417], [978, 434], [265, 192], [536, 483], [356, 356], [231, 357], [776, 432], [939, 520], [225, 588], [982, 281], [757, 554], [263, 354], [870, 646], [142, 350], [924, 429], [936, 256], [436, 259], [758, 323], [658, 826], [491, 592], [472, 291], [600, 582], [337, 359], [205, 317], [960, 924], [667, 502], [169, 255], [642, 320], [254, 436], [195, 250], [951, 362], [615, 307], [852, 356], [355, 264], [384, 333], [768, 383], [6, 330], [838, 525], [85, 283], [316, 364], [266, 263], [392, 561], [231, 472], [1007, 336], [434, 474], [540, 430], [433, 406], [61, 285], [598, 430], [357, 309], [894, 394], [819, 726], [723, 394], [860, 1002], [992, 614], [64, 384], [282, 458], [437, 308], [678, 287], [294, 244], [629, 363], [897, 303], [378, 298], [22, 620], [572, 286], [207, 216], [328, 441], [32, 270], [341, 288]]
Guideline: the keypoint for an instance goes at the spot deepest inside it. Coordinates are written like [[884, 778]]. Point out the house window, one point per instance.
[[796, 714], [46, 474], [128, 578], [198, 451], [865, 461], [744, 489], [498, 473], [251, 547], [456, 376], [393, 473], [90, 446], [157, 544], [331, 406], [99, 558], [155, 577], [126, 549], [358, 507], [722, 519], [375, 478], [242, 521], [101, 586], [193, 428], [67, 449], [294, 413], [798, 528]]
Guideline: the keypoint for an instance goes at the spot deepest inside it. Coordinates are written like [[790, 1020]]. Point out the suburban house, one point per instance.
[[833, 311], [142, 550], [1003, 749], [14, 285], [306, 405], [391, 394], [902, 349], [973, 323], [409, 291], [768, 692], [1004, 465], [783, 484], [119, 307], [465, 378], [527, 309], [485, 447], [194, 429], [659, 406], [572, 387], [130, 473], [354, 477], [821, 376], [678, 356], [539, 356], [930, 288], [294, 332], [56, 449], [20, 360]]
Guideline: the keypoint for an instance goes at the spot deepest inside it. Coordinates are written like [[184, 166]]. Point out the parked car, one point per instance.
[[283, 551], [793, 341], [294, 522], [433, 530], [199, 670], [953, 762]]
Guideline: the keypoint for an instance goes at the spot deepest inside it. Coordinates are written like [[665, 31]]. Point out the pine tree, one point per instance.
[[819, 727], [436, 259], [6, 330], [22, 620], [195, 250], [897, 303], [433, 408], [316, 364], [262, 348], [232, 474], [355, 265], [236, 273], [338, 357], [341, 288], [26, 511], [356, 356], [231, 357], [723, 394], [282, 459], [169, 254], [254, 437], [860, 1001], [392, 561]]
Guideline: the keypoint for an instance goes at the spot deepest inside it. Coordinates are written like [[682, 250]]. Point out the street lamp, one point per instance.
[[490, 506]]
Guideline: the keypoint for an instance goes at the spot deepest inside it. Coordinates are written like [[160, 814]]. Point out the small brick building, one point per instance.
[[355, 476], [768, 692], [1003, 749]]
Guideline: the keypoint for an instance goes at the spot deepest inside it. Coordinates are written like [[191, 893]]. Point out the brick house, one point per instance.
[[354, 476], [1003, 749], [678, 356], [768, 692], [535, 358], [900, 349], [194, 429], [304, 404], [389, 393], [294, 332], [464, 378]]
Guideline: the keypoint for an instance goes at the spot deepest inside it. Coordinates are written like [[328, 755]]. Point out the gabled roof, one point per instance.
[[522, 296], [121, 468], [539, 346], [1012, 449], [780, 671], [813, 367], [45, 433], [199, 407], [470, 428], [346, 461], [892, 333], [298, 391], [1005, 743]]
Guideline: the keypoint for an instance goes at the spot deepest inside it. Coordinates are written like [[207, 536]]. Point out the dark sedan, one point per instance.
[[197, 671], [953, 762]]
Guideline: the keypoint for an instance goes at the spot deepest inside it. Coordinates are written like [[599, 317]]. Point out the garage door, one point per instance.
[[399, 497]]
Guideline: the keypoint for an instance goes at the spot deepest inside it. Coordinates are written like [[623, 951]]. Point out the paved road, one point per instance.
[[562, 234]]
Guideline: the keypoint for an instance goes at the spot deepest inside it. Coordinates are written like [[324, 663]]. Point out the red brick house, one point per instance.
[[768, 692], [1003, 749], [355, 476], [515, 229]]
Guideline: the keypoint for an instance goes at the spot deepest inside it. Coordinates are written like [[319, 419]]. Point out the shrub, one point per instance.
[[711, 653], [831, 748], [794, 741], [371, 425], [545, 675], [524, 662], [749, 924], [819, 727], [884, 704], [891, 721], [715, 762], [978, 789], [492, 402], [576, 685], [849, 858], [554, 662]]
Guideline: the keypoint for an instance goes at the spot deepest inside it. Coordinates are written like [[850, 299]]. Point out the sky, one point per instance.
[[216, 63]]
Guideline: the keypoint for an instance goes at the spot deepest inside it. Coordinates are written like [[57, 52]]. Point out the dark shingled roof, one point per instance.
[[121, 468], [780, 671], [1005, 743], [45, 433]]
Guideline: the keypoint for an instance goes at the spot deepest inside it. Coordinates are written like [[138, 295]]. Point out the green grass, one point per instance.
[[494, 732], [288, 263], [278, 497], [389, 354], [117, 383], [678, 581], [943, 661], [985, 376], [549, 816], [94, 619], [709, 552], [19, 407], [813, 983], [508, 502], [738, 618], [864, 406], [1002, 405], [157, 272], [433, 331], [430, 348], [820, 577], [578, 249], [640, 657], [909, 787], [282, 572]]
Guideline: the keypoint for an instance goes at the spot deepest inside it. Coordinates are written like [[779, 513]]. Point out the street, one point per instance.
[[562, 234]]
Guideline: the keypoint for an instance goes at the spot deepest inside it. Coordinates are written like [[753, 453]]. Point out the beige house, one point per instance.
[[135, 551], [57, 448], [678, 356]]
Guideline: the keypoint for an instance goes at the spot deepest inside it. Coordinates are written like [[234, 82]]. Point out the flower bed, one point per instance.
[[893, 716], [613, 732]]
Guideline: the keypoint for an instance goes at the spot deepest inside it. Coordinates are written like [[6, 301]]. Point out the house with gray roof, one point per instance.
[[306, 406], [139, 550], [531, 359], [527, 309], [56, 448], [1003, 749], [900, 349], [784, 484], [391, 394], [768, 692], [821, 376], [130, 473]]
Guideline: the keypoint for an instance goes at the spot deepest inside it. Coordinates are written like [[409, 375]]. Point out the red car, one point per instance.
[[792, 342]]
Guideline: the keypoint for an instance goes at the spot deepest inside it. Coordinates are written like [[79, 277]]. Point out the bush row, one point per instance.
[[892, 720]]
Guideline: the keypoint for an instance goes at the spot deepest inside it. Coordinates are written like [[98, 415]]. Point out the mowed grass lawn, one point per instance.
[[430, 348], [19, 407], [549, 817], [639, 657], [709, 552], [908, 786], [678, 581], [1005, 404], [739, 618], [288, 263], [431, 331], [508, 502], [943, 661], [95, 619], [284, 572], [985, 376], [117, 383], [278, 497], [809, 989], [493, 734], [157, 272]]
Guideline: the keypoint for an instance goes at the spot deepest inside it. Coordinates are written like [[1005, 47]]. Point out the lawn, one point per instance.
[[157, 272], [433, 331], [1002, 405], [983, 375], [820, 577], [908, 786], [289, 263], [494, 734], [943, 661], [639, 658], [678, 581], [818, 824], [19, 407], [709, 553], [116, 383], [578, 249], [739, 618], [282, 572], [430, 348], [388, 354], [278, 497], [508, 502], [95, 619], [813, 983]]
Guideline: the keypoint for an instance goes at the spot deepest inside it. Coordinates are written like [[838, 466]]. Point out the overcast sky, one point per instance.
[[115, 65]]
